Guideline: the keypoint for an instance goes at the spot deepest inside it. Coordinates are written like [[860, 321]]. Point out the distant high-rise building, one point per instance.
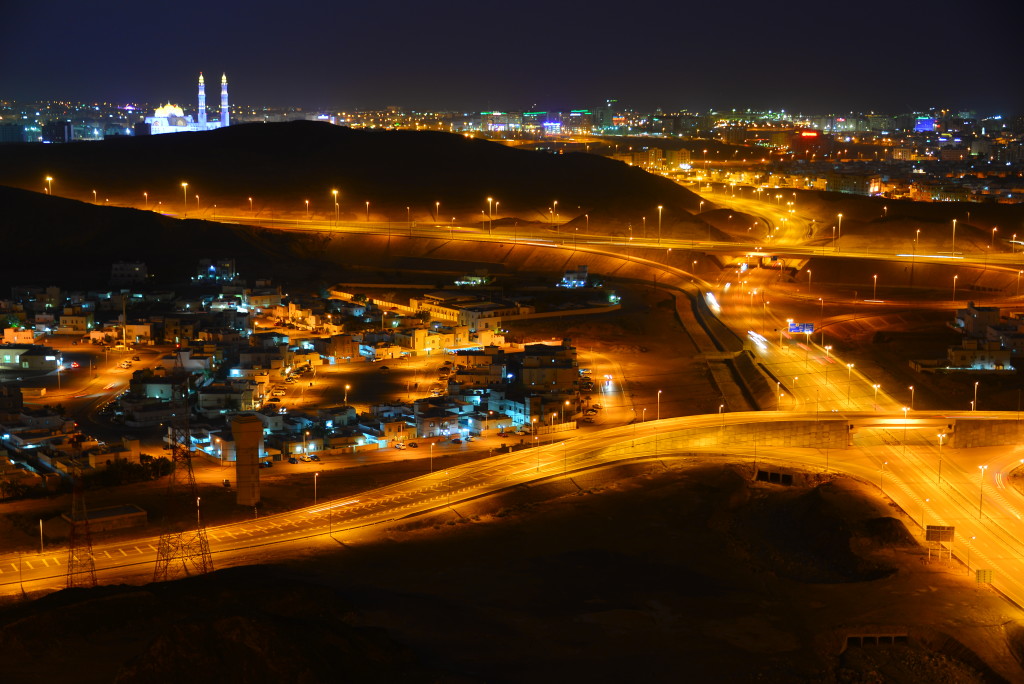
[[172, 119], [12, 133], [58, 132]]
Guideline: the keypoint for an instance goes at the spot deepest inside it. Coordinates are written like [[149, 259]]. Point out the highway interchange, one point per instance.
[[893, 446]]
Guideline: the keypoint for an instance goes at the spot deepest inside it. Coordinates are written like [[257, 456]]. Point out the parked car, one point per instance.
[[399, 445], [504, 434], [413, 445], [520, 432], [314, 457], [136, 358], [470, 438], [274, 400], [596, 406], [266, 464], [305, 458], [456, 440], [278, 393], [292, 459]]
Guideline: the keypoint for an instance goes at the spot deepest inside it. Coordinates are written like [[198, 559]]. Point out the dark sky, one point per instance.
[[893, 56]]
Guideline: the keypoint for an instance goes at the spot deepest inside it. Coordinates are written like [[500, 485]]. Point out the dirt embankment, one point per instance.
[[674, 571]]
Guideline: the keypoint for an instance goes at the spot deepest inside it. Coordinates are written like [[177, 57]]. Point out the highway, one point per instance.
[[901, 455]]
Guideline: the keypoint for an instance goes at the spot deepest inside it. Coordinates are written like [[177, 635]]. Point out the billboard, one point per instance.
[[939, 533]]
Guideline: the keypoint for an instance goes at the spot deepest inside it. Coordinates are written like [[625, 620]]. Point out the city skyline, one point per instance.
[[452, 58]]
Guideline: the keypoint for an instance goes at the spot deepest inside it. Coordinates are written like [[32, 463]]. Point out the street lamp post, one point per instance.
[[316, 476], [347, 388], [849, 381], [875, 399], [250, 205], [808, 281], [974, 404], [840, 232], [954, 287], [145, 197], [660, 207], [184, 192], [367, 212], [992, 244], [952, 249], [911, 388], [437, 211], [307, 210], [941, 437], [659, 404], [981, 487], [337, 213], [49, 185], [431, 457], [874, 291]]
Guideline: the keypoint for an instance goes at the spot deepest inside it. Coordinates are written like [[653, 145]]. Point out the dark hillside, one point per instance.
[[282, 165], [65, 241]]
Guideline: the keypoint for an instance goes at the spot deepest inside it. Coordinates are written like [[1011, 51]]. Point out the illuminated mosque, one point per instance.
[[172, 119]]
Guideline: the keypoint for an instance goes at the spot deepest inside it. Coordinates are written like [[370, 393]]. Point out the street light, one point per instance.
[[367, 212], [849, 381], [431, 457], [49, 185], [94, 197], [874, 291], [875, 399], [316, 476], [952, 249], [840, 231], [659, 404], [490, 213], [808, 281], [992, 244], [437, 210], [337, 215], [347, 388], [974, 404], [307, 210], [250, 205], [954, 287], [941, 437], [145, 195], [981, 487], [184, 192]]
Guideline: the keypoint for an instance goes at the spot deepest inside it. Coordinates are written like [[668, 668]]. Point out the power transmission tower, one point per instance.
[[81, 564], [183, 547]]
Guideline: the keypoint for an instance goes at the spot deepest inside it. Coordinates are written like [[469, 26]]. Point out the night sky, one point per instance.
[[820, 57]]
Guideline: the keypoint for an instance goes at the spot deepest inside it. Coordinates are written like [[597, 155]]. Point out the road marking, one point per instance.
[[122, 552], [29, 564]]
